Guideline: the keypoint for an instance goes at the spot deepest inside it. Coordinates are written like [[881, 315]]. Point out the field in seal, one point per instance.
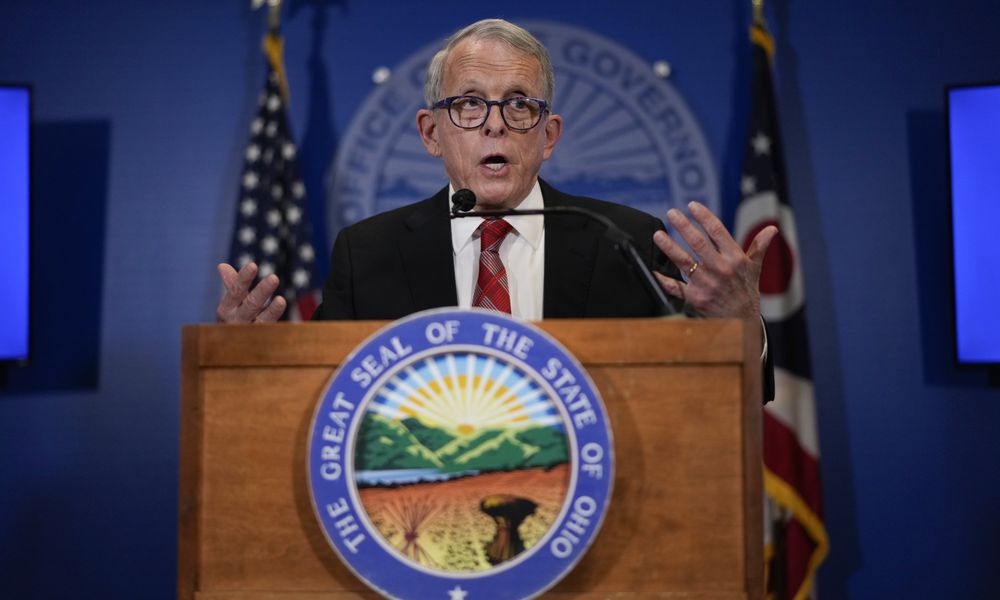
[[440, 525]]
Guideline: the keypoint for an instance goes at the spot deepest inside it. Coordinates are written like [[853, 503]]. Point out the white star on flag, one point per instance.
[[248, 207], [748, 185], [457, 593], [250, 180], [253, 152], [247, 235], [761, 144], [300, 278], [269, 245]]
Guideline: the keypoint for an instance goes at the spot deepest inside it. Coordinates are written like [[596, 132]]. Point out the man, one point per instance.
[[489, 94]]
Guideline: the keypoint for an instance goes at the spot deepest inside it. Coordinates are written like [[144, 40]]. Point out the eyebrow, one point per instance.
[[474, 88], [516, 92]]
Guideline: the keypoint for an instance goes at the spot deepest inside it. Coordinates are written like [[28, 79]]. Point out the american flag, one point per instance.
[[272, 228], [795, 536]]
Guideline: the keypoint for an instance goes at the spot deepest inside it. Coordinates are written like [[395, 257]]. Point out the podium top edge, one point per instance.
[[593, 341]]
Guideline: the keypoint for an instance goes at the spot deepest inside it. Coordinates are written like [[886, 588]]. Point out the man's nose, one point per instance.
[[494, 124]]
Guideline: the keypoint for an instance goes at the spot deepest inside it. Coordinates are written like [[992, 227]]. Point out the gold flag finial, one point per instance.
[[273, 44], [758, 12], [758, 30]]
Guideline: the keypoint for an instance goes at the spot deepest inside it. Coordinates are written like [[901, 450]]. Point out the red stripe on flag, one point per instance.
[[307, 305], [784, 457], [799, 549]]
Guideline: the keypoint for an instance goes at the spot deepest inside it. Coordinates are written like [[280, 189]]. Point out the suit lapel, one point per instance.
[[570, 253], [425, 250]]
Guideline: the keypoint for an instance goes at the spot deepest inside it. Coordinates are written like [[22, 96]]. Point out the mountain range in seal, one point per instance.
[[390, 444]]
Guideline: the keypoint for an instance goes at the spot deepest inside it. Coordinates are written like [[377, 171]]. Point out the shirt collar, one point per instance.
[[527, 227]]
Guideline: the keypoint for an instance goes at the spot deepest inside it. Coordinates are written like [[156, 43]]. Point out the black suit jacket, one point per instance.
[[400, 262]]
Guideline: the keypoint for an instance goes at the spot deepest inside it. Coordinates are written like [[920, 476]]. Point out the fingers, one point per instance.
[[712, 226], [670, 285], [227, 273], [761, 242], [693, 237], [236, 285], [273, 311], [713, 245], [721, 280], [673, 250], [257, 300], [240, 304]]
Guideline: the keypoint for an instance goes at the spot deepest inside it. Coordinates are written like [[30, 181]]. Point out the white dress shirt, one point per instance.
[[522, 253]]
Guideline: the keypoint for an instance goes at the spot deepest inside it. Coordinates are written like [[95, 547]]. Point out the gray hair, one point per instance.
[[516, 37]]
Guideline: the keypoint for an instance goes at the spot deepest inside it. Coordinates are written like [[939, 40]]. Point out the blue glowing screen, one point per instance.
[[15, 115], [974, 131]]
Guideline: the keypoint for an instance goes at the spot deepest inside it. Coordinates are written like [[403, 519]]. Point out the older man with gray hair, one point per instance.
[[489, 117]]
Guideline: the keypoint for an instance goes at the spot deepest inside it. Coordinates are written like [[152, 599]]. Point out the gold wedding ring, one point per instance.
[[694, 267]]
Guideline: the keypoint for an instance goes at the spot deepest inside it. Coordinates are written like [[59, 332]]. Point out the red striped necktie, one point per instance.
[[491, 287]]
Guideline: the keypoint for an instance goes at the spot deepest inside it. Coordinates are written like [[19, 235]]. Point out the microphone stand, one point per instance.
[[612, 232]]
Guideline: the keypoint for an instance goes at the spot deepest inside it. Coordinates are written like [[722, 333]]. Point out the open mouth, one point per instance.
[[494, 162]]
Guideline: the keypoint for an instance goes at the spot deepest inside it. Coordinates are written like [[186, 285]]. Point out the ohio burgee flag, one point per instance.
[[795, 537]]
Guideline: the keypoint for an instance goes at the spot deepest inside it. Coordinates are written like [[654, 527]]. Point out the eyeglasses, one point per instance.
[[470, 112]]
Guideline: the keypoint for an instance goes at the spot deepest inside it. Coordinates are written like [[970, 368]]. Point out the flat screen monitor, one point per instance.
[[15, 193], [973, 112]]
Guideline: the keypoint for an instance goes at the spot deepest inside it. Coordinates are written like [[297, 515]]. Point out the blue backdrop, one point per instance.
[[145, 108]]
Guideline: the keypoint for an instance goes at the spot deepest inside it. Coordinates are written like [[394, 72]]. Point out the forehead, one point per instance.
[[491, 67]]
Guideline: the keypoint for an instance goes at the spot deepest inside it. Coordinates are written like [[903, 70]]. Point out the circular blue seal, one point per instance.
[[460, 454]]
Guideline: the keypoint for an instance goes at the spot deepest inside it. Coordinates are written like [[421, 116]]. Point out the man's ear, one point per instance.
[[427, 126], [553, 131]]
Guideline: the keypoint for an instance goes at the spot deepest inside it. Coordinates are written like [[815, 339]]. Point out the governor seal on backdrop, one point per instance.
[[629, 136], [460, 454]]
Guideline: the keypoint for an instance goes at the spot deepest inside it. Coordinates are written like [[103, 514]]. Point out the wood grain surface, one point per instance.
[[683, 397]]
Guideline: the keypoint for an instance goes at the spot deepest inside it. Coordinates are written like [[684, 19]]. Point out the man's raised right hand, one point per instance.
[[240, 304]]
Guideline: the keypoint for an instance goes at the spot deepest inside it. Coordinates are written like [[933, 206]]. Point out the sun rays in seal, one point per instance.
[[466, 393]]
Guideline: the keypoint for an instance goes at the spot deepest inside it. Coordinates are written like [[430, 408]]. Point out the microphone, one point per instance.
[[464, 200]]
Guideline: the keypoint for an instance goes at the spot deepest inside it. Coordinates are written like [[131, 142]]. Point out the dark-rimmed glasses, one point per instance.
[[470, 112]]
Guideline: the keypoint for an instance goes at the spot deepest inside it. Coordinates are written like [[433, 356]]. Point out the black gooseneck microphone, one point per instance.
[[464, 200]]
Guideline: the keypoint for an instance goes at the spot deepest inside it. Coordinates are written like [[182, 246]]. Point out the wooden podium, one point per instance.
[[684, 399]]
